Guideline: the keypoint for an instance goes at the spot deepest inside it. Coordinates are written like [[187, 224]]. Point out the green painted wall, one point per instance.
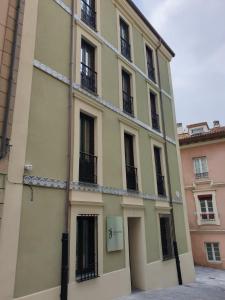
[[174, 169], [39, 253], [146, 162], [108, 22], [142, 99], [53, 38], [139, 50], [168, 117], [164, 73], [112, 157], [112, 260], [151, 232], [47, 139], [110, 69], [180, 228]]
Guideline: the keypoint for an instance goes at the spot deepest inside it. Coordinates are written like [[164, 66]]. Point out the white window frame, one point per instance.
[[216, 220], [207, 212], [121, 16], [159, 145], [158, 106], [127, 129], [81, 106], [122, 66], [202, 171], [81, 34], [213, 252], [147, 44], [97, 10]]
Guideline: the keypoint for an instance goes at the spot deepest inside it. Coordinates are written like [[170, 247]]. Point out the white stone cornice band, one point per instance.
[[98, 99], [76, 186]]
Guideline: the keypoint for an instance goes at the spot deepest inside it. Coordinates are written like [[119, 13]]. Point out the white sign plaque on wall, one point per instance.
[[114, 233]]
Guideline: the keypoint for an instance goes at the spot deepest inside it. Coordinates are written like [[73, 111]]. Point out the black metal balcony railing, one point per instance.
[[201, 175], [88, 168], [207, 216], [87, 272], [128, 105], [155, 121], [88, 78], [88, 14], [125, 48], [151, 72], [132, 178], [161, 185]]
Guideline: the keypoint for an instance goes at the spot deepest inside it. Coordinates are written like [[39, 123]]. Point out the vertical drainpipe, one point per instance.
[[4, 142], [70, 122], [175, 248]]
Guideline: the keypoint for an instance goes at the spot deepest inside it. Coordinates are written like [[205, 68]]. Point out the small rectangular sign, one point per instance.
[[114, 233]]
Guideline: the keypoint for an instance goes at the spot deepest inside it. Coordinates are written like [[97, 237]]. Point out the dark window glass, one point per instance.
[[131, 171], [88, 161], [88, 14], [154, 114], [150, 64], [166, 239], [159, 177], [125, 39], [127, 98], [87, 248], [88, 74]]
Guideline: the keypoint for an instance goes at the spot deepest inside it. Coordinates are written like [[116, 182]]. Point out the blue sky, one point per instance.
[[195, 30]]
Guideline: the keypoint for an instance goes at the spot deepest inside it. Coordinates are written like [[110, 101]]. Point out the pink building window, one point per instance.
[[200, 167], [206, 205], [213, 252]]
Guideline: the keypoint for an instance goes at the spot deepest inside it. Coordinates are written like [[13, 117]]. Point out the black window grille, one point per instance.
[[87, 247], [154, 114], [131, 170], [150, 64], [166, 237], [125, 39], [88, 161], [87, 68], [128, 105], [159, 177], [88, 14]]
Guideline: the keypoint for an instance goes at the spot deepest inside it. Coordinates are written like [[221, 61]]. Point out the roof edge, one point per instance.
[[145, 20]]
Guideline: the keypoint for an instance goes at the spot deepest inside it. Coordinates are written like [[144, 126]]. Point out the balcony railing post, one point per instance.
[[128, 106], [125, 48], [88, 14], [88, 168], [132, 179], [161, 185], [88, 78]]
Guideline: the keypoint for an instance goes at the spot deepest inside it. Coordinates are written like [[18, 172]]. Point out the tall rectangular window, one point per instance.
[[87, 247], [159, 175], [150, 63], [88, 74], [213, 252], [206, 205], [200, 167], [88, 14], [127, 98], [88, 161], [125, 39], [154, 114], [166, 236], [131, 171]]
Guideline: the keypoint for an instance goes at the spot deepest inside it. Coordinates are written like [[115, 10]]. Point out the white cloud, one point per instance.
[[164, 11]]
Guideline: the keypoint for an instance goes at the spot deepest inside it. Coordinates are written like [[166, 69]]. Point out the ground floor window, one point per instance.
[[87, 247], [213, 252], [166, 236]]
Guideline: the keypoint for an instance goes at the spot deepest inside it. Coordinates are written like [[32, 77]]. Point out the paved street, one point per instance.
[[209, 285]]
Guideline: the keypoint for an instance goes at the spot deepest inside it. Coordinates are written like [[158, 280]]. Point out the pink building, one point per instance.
[[203, 162]]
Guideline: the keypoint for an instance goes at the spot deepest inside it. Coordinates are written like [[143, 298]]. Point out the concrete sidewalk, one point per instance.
[[209, 285]]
